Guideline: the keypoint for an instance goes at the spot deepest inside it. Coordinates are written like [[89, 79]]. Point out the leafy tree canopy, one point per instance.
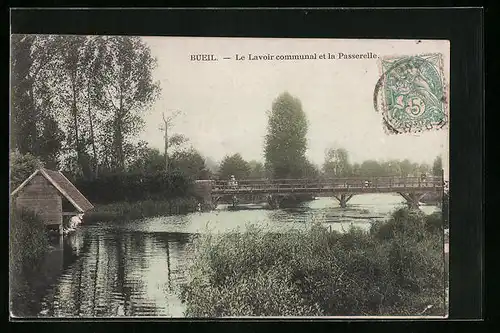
[[285, 142], [234, 165]]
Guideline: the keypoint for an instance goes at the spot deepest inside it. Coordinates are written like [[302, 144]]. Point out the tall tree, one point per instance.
[[50, 142], [129, 90], [285, 142], [21, 167], [147, 160], [257, 170], [424, 168], [189, 162], [437, 166], [211, 165], [391, 168], [72, 75], [94, 52], [234, 165], [34, 128], [23, 117], [176, 140], [310, 170], [405, 167], [371, 168], [336, 163], [356, 170]]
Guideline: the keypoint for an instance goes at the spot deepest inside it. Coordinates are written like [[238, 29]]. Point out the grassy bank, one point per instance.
[[123, 211], [28, 244], [395, 269]]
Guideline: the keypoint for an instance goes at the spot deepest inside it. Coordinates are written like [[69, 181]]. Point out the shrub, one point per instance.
[[434, 222], [135, 187], [125, 211], [21, 167], [261, 293], [28, 244], [28, 239], [402, 221], [392, 270]]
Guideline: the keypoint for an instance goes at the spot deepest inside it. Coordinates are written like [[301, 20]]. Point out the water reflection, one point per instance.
[[118, 274], [136, 268]]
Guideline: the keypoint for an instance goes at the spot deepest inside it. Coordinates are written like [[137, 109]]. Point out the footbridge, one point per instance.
[[412, 189]]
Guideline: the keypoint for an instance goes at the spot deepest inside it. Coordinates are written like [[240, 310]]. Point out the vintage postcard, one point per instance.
[[228, 177]]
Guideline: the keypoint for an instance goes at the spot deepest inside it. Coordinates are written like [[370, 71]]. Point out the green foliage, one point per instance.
[[310, 170], [28, 243], [28, 239], [435, 223], [285, 142], [127, 211], [50, 142], [96, 88], [135, 187], [21, 167], [234, 165], [189, 163], [257, 170], [316, 272], [177, 140], [32, 117], [148, 160], [403, 221], [437, 166], [337, 163], [371, 168]]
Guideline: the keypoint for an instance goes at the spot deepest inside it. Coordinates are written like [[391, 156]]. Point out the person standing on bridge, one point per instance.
[[423, 179], [232, 182]]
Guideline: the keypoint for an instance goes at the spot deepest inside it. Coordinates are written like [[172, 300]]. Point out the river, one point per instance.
[[136, 268]]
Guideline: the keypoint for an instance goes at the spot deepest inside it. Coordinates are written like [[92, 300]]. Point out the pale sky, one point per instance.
[[224, 102]]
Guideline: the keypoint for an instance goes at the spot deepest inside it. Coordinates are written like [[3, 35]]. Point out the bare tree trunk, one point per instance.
[[96, 161], [119, 136], [75, 124], [118, 142], [166, 146]]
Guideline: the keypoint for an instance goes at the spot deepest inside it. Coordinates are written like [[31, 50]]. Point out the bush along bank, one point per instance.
[[28, 244], [395, 269], [125, 211], [136, 187], [132, 196]]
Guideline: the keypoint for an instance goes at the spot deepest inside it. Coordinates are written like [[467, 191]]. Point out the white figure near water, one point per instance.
[[74, 222]]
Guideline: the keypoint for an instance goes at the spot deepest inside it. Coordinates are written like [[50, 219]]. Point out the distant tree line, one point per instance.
[[132, 187], [285, 153], [78, 103]]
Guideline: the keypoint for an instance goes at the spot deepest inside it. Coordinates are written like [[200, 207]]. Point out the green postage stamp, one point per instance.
[[412, 94]]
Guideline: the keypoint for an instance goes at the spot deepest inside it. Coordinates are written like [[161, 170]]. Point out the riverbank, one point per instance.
[[150, 258], [29, 243], [125, 211], [396, 268]]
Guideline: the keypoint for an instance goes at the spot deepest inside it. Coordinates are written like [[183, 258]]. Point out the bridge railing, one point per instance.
[[326, 184]]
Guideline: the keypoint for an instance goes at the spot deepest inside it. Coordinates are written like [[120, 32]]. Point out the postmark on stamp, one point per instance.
[[411, 93]]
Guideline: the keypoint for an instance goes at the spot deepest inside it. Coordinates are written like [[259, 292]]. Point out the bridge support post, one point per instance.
[[234, 201], [273, 201], [412, 199], [343, 199]]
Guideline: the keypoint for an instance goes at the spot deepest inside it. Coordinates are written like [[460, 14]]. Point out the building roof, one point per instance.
[[63, 185]]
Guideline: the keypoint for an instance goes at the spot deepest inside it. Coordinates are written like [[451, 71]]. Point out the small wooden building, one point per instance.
[[51, 195]]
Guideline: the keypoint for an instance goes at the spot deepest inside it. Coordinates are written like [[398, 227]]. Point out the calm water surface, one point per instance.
[[136, 268]]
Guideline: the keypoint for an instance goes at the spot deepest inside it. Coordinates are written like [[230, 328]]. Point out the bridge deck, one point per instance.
[[337, 186]]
